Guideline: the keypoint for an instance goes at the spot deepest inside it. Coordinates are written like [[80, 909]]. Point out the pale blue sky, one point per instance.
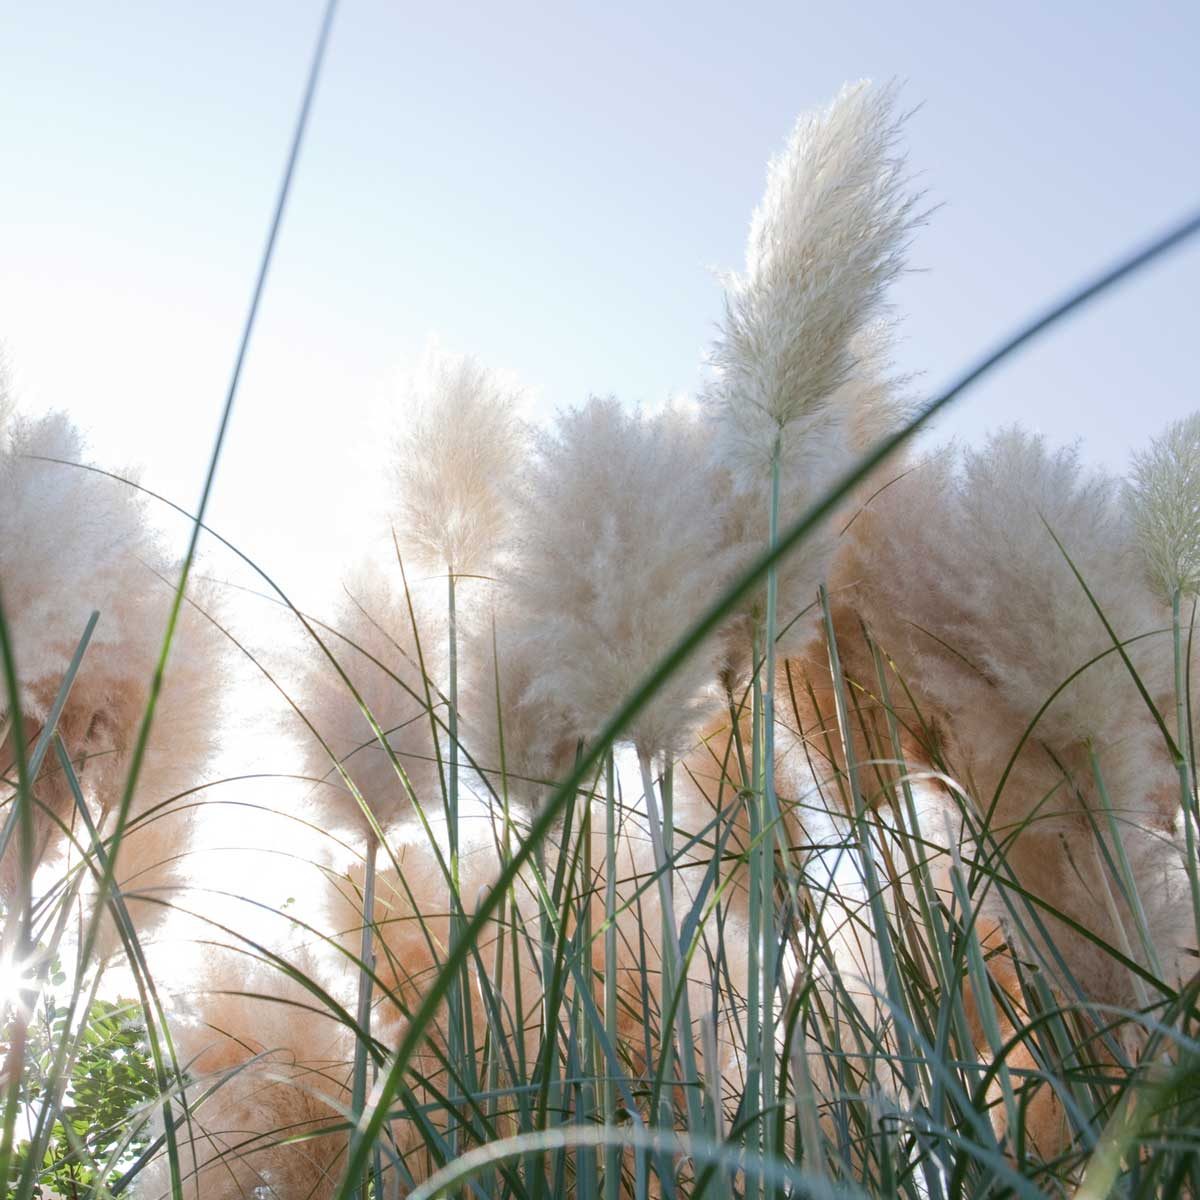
[[549, 186]]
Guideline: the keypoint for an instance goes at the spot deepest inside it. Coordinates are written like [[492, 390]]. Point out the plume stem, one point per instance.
[[755, 922], [1184, 760], [612, 1153], [769, 809], [674, 974], [366, 971]]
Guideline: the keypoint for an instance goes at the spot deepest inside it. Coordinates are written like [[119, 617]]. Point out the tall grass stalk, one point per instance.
[[366, 986], [755, 1128], [1129, 885], [612, 1153], [674, 1005], [767, 820], [1187, 791], [705, 626]]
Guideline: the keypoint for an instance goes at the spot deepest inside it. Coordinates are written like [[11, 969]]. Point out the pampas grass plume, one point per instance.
[[803, 354], [955, 572], [269, 1071], [825, 242], [616, 561], [454, 460], [522, 737], [1164, 495], [73, 541], [374, 642]]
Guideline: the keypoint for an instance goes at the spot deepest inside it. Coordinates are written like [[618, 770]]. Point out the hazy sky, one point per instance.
[[551, 187]]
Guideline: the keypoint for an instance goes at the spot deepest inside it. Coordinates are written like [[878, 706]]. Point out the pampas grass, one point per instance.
[[960, 965], [454, 457], [825, 242], [1163, 494], [267, 1108]]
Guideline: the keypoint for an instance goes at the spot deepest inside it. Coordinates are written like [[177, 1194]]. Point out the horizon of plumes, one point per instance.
[[601, 540], [616, 556], [825, 242], [453, 461], [1164, 496]]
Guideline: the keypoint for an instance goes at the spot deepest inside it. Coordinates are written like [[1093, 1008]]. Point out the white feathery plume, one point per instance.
[[865, 408], [801, 356], [73, 541], [7, 397], [955, 572], [521, 737], [454, 460], [875, 401], [1164, 496], [373, 640], [825, 242], [1027, 620], [967, 555], [619, 555]]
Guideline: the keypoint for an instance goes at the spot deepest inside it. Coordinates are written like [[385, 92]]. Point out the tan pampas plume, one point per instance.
[[1164, 496], [73, 541], [615, 562], [454, 460], [802, 356], [392, 664], [269, 1069], [956, 574], [825, 242]]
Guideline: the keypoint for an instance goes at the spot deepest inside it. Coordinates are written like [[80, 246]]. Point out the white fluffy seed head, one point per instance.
[[1010, 679], [374, 642], [522, 737], [956, 565], [825, 242], [269, 1074], [868, 406], [454, 459], [73, 541], [619, 554], [7, 399], [1164, 497]]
